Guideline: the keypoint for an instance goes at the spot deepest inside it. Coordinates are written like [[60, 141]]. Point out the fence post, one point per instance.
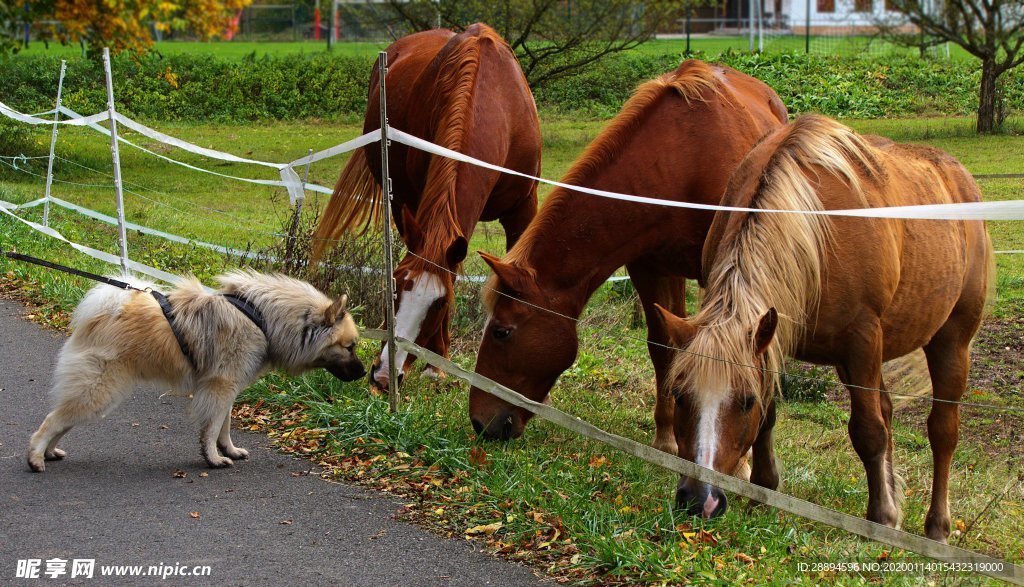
[[53, 145], [750, 21], [293, 230], [389, 263], [807, 30], [122, 235]]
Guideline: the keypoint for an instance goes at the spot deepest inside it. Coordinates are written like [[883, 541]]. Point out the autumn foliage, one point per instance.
[[128, 24]]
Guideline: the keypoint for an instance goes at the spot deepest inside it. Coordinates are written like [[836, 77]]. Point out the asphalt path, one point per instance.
[[120, 499]]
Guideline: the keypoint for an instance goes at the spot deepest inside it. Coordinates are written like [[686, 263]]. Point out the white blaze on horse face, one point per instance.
[[707, 440], [412, 310]]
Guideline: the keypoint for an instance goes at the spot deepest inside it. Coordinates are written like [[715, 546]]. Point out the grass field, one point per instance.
[[710, 45], [568, 506]]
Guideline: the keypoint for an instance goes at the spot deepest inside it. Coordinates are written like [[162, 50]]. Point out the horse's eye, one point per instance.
[[501, 332], [747, 403]]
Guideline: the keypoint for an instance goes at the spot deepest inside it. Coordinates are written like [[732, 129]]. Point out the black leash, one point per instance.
[[71, 270]]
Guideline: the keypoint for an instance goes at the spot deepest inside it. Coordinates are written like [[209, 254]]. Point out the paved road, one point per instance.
[[115, 499]]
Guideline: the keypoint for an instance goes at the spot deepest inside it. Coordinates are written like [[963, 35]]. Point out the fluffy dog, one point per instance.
[[211, 345]]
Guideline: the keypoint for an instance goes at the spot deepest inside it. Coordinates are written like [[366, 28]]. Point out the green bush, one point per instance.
[[15, 138], [320, 85]]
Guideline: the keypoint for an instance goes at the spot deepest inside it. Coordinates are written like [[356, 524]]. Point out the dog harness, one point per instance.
[[243, 305]]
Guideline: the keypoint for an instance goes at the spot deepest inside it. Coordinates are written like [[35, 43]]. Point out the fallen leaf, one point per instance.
[[285, 522], [477, 457], [204, 474], [179, 474], [487, 529], [194, 515], [961, 526]]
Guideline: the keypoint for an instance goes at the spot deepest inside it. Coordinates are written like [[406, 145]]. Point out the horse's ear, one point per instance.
[[765, 331], [412, 234], [457, 252], [679, 330], [515, 278], [336, 310]]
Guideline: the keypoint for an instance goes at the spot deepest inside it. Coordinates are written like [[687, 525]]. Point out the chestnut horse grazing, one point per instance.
[[678, 138], [841, 291], [465, 92]]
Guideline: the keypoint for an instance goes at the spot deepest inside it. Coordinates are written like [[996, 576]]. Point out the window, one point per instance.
[[862, 5], [826, 5]]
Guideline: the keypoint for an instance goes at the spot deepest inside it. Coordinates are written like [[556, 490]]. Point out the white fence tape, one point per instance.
[[29, 119], [1008, 210], [145, 229], [94, 253]]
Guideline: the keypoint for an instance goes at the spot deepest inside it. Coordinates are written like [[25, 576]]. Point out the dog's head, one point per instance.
[[338, 354]]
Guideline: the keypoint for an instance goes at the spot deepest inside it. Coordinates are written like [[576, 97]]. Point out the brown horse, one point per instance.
[[465, 92], [678, 138], [847, 292]]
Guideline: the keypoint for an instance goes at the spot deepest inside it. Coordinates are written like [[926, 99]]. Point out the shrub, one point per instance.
[[193, 87]]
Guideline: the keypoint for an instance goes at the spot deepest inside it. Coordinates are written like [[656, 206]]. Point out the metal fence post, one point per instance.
[[53, 145], [122, 235], [389, 263]]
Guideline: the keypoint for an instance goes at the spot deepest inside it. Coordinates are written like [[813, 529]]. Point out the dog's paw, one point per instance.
[[35, 462], [218, 462], [55, 455], [235, 453]]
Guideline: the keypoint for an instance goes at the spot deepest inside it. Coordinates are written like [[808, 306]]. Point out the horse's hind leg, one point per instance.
[[948, 356], [869, 424]]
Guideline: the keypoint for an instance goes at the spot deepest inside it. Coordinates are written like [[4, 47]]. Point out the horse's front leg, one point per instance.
[[870, 424], [764, 470], [670, 293]]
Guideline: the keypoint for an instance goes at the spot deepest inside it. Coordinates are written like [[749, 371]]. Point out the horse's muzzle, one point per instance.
[[701, 499], [504, 426]]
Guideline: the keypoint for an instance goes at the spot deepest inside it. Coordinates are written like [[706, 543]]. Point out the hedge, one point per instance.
[[194, 87]]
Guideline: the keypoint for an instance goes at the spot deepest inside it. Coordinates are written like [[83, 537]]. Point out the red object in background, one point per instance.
[[337, 29], [316, 23], [233, 23]]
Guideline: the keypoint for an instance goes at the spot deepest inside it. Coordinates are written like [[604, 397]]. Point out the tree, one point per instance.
[[991, 30], [552, 38], [128, 24]]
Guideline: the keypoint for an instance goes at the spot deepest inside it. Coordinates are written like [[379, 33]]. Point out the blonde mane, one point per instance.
[[693, 80], [771, 260]]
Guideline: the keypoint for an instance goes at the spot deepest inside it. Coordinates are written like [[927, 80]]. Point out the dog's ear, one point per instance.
[[336, 310]]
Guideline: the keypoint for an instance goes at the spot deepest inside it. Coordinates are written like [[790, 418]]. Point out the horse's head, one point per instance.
[[525, 347], [425, 282], [721, 399]]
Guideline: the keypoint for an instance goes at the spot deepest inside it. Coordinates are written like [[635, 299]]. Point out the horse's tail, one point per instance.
[[907, 378], [356, 201]]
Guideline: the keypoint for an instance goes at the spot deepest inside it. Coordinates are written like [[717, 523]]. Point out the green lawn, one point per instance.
[[228, 49], [570, 506], [710, 45]]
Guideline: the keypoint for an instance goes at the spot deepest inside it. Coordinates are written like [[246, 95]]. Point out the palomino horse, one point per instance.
[[678, 138], [847, 292], [465, 92]]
